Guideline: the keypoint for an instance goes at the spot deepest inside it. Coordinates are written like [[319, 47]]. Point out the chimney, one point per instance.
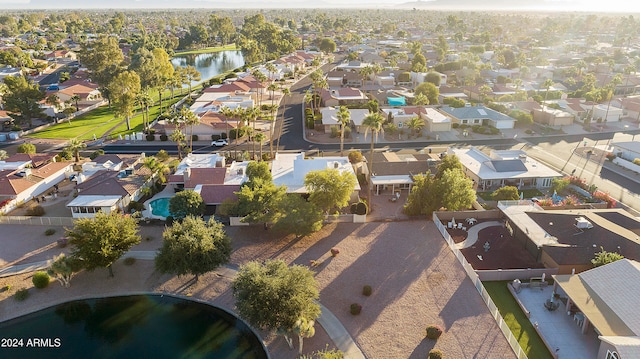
[[187, 175]]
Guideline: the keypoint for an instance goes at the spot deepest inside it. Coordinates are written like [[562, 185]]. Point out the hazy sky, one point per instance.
[[622, 6]]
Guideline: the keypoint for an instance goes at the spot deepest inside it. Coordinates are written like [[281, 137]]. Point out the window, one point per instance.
[[465, 122], [612, 355]]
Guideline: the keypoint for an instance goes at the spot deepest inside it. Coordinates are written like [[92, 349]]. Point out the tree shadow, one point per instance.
[[422, 350]]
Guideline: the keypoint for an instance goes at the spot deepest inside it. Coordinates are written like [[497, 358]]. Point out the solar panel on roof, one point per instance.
[[482, 112]]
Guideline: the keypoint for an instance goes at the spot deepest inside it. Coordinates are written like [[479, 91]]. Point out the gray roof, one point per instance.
[[507, 165], [475, 112]]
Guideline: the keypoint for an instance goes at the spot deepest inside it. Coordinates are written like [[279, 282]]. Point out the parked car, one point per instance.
[[219, 143]]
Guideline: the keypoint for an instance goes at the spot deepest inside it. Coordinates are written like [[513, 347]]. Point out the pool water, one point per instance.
[[160, 207], [141, 326]]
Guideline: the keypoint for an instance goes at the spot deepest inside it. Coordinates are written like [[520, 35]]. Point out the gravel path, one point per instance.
[[416, 281]]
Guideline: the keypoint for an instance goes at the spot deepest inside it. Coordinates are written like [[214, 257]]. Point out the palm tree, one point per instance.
[[236, 113], [178, 137], [75, 98], [75, 146], [144, 100], [189, 118], [416, 124], [547, 85], [252, 114], [157, 168], [261, 78], [285, 93], [615, 81], [372, 122], [52, 100], [420, 100], [259, 137], [344, 119]]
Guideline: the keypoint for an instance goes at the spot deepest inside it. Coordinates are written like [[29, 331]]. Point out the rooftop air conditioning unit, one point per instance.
[[583, 223]]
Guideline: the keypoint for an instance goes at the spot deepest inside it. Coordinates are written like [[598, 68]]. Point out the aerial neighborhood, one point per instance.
[[319, 183]]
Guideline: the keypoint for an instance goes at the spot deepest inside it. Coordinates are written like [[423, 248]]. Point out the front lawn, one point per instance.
[[93, 122], [519, 324]]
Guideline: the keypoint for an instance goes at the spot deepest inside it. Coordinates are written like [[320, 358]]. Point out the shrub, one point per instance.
[[35, 211], [353, 208], [150, 137], [636, 161], [334, 251], [129, 261], [40, 279], [28, 148], [366, 290], [355, 309], [135, 206], [223, 135], [21, 294], [355, 156], [455, 125], [169, 220], [164, 137], [49, 232], [215, 137], [96, 153], [362, 179], [6, 288], [435, 354], [434, 332], [361, 208], [335, 132]]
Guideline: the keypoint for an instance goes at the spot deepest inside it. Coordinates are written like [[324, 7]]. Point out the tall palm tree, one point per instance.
[[615, 81], [75, 146], [178, 137], [252, 114], [285, 93], [189, 118], [547, 85], [157, 168], [344, 119], [238, 114], [261, 78], [259, 137], [372, 123], [144, 100]]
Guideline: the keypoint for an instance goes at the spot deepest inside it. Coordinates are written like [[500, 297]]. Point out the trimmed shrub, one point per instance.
[[366, 290], [164, 137], [435, 354], [215, 137], [21, 294], [455, 125], [49, 232], [355, 156], [223, 135], [355, 309], [36, 211], [169, 220], [150, 137], [353, 208], [334, 251], [129, 261], [361, 208], [95, 154], [40, 279], [434, 332]]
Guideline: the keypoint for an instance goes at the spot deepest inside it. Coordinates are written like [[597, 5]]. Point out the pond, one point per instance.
[[211, 64], [140, 326]]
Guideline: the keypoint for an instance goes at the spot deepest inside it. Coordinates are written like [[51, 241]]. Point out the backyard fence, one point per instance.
[[471, 273], [511, 274], [37, 221]]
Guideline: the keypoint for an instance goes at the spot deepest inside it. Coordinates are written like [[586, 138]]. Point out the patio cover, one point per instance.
[[607, 296], [391, 180], [94, 201]]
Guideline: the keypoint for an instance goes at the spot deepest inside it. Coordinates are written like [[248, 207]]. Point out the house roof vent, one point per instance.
[[583, 223]]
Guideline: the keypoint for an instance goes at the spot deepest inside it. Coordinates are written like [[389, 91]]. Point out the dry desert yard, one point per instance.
[[416, 281]]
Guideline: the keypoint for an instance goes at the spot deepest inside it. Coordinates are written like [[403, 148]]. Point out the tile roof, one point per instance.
[[216, 194], [205, 176]]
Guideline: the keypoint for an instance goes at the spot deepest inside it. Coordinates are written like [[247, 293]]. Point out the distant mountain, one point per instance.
[[561, 5]]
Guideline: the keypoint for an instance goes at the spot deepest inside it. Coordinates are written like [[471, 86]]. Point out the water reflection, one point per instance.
[[211, 64]]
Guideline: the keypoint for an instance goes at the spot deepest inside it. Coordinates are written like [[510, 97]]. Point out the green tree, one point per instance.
[[144, 100], [603, 257], [193, 246], [22, 99], [418, 63], [507, 193], [191, 74], [75, 146], [448, 162], [257, 170], [344, 119], [75, 99], [179, 138], [103, 58], [416, 125], [434, 78], [324, 354], [186, 203], [154, 68], [424, 197], [430, 90], [259, 202], [327, 45], [456, 190], [274, 296], [420, 100], [329, 188], [28, 148], [100, 241], [124, 89], [62, 268], [298, 216]]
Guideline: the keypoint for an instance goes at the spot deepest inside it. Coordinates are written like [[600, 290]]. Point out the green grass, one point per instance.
[[136, 121], [97, 121], [530, 193], [207, 50], [519, 324]]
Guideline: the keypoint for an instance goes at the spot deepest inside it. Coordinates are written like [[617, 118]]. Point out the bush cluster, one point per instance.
[[355, 309], [49, 232], [434, 332], [150, 137], [36, 211], [40, 279], [435, 354], [366, 290], [164, 137]]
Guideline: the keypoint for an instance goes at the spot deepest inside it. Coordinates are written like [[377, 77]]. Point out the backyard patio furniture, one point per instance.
[[551, 305], [471, 221], [459, 225]]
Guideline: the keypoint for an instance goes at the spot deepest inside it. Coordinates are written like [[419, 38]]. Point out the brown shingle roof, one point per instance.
[[216, 194], [205, 176]]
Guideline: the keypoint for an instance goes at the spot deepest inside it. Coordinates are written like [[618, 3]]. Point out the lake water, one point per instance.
[[211, 64], [140, 326]]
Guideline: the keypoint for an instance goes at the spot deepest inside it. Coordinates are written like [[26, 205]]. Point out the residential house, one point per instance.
[[503, 168], [330, 118], [23, 177], [290, 170], [552, 117], [604, 299], [9, 71], [342, 96], [628, 150], [631, 108], [569, 239], [108, 162], [394, 171], [479, 115], [451, 92], [607, 113]]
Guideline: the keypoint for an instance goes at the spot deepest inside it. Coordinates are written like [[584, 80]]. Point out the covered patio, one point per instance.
[[392, 182]]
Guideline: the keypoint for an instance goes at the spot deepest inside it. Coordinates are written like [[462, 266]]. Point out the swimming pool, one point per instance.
[[160, 207], [139, 326]]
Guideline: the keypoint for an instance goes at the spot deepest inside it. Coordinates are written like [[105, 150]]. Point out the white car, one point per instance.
[[219, 143]]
